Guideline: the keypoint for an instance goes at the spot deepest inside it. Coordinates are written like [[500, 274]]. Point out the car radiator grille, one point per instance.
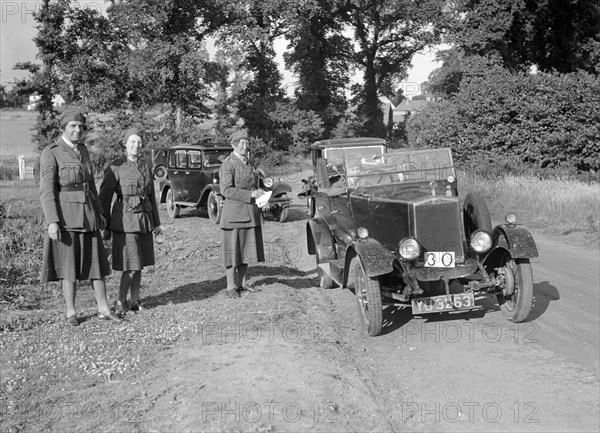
[[438, 227]]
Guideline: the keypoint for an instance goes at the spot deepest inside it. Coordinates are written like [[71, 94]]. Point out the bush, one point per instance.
[[546, 120]]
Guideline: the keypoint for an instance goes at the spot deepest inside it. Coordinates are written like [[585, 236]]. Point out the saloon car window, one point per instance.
[[214, 158], [195, 159]]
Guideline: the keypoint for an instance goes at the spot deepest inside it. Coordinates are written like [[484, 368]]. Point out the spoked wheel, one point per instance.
[[214, 207], [516, 298], [160, 172], [368, 296], [173, 210], [476, 215]]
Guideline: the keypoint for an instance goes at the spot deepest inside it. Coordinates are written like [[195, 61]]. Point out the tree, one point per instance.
[[254, 27], [167, 60], [387, 34], [319, 57], [565, 35]]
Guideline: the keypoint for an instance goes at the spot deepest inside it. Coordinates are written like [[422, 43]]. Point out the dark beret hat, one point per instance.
[[71, 114], [132, 131], [238, 135]]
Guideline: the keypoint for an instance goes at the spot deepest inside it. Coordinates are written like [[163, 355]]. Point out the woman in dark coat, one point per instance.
[[133, 219], [241, 219], [73, 248]]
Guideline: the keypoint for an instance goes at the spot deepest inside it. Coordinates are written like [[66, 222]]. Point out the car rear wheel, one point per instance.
[[476, 215], [516, 298], [214, 206], [368, 296], [173, 210]]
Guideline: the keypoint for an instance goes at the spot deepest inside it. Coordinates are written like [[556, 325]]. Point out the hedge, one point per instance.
[[541, 121]]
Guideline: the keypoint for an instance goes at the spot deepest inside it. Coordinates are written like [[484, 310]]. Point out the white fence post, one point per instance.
[[21, 162]]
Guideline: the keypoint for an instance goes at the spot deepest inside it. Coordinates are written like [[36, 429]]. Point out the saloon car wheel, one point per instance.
[[368, 296], [214, 206], [173, 210], [160, 172], [517, 296], [476, 214]]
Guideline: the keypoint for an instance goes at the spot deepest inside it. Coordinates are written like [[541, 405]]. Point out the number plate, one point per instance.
[[439, 259], [435, 304]]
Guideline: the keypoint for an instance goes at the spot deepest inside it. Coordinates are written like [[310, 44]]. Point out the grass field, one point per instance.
[[15, 134]]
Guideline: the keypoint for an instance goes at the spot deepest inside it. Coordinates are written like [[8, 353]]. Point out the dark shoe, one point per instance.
[[72, 320], [137, 308], [110, 316], [232, 293], [248, 288]]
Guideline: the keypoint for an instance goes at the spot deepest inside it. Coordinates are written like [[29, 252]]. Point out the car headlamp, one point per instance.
[[268, 182], [451, 179], [511, 218], [481, 241], [362, 233], [409, 248]]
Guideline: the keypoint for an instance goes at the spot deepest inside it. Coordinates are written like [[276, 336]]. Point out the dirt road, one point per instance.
[[293, 357]]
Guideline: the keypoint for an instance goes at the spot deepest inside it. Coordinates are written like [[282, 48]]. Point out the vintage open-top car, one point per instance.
[[192, 181], [392, 226]]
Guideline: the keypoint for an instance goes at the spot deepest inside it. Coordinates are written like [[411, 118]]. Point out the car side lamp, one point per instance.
[[511, 218], [481, 241], [362, 233], [409, 249]]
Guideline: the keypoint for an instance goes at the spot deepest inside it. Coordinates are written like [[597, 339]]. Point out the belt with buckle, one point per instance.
[[83, 186]]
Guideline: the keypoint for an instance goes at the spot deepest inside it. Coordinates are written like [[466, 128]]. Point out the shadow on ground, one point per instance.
[[543, 294]]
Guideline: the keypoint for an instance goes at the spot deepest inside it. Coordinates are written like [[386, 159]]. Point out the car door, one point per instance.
[[195, 181], [177, 174]]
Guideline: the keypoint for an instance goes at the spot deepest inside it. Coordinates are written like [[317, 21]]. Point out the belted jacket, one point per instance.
[[237, 180], [135, 209], [68, 193]]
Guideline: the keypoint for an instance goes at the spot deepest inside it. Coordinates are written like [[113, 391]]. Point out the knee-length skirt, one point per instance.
[[76, 256], [242, 246], [132, 251]]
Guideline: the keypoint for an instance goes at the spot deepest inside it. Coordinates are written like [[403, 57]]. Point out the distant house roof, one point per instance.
[[397, 113]]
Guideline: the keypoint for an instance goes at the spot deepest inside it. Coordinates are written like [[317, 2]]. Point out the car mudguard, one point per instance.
[[517, 240], [280, 188], [206, 191], [375, 258], [320, 241]]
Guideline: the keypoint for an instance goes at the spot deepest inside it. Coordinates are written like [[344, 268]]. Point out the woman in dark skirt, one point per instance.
[[241, 219], [133, 219], [73, 248]]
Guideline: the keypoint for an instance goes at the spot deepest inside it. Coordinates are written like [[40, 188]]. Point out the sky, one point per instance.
[[17, 29]]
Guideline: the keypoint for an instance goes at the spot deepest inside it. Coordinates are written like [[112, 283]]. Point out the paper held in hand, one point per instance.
[[263, 199]]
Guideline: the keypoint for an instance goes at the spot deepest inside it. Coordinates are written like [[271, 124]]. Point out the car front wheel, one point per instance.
[[173, 210], [516, 298], [214, 206], [368, 296]]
